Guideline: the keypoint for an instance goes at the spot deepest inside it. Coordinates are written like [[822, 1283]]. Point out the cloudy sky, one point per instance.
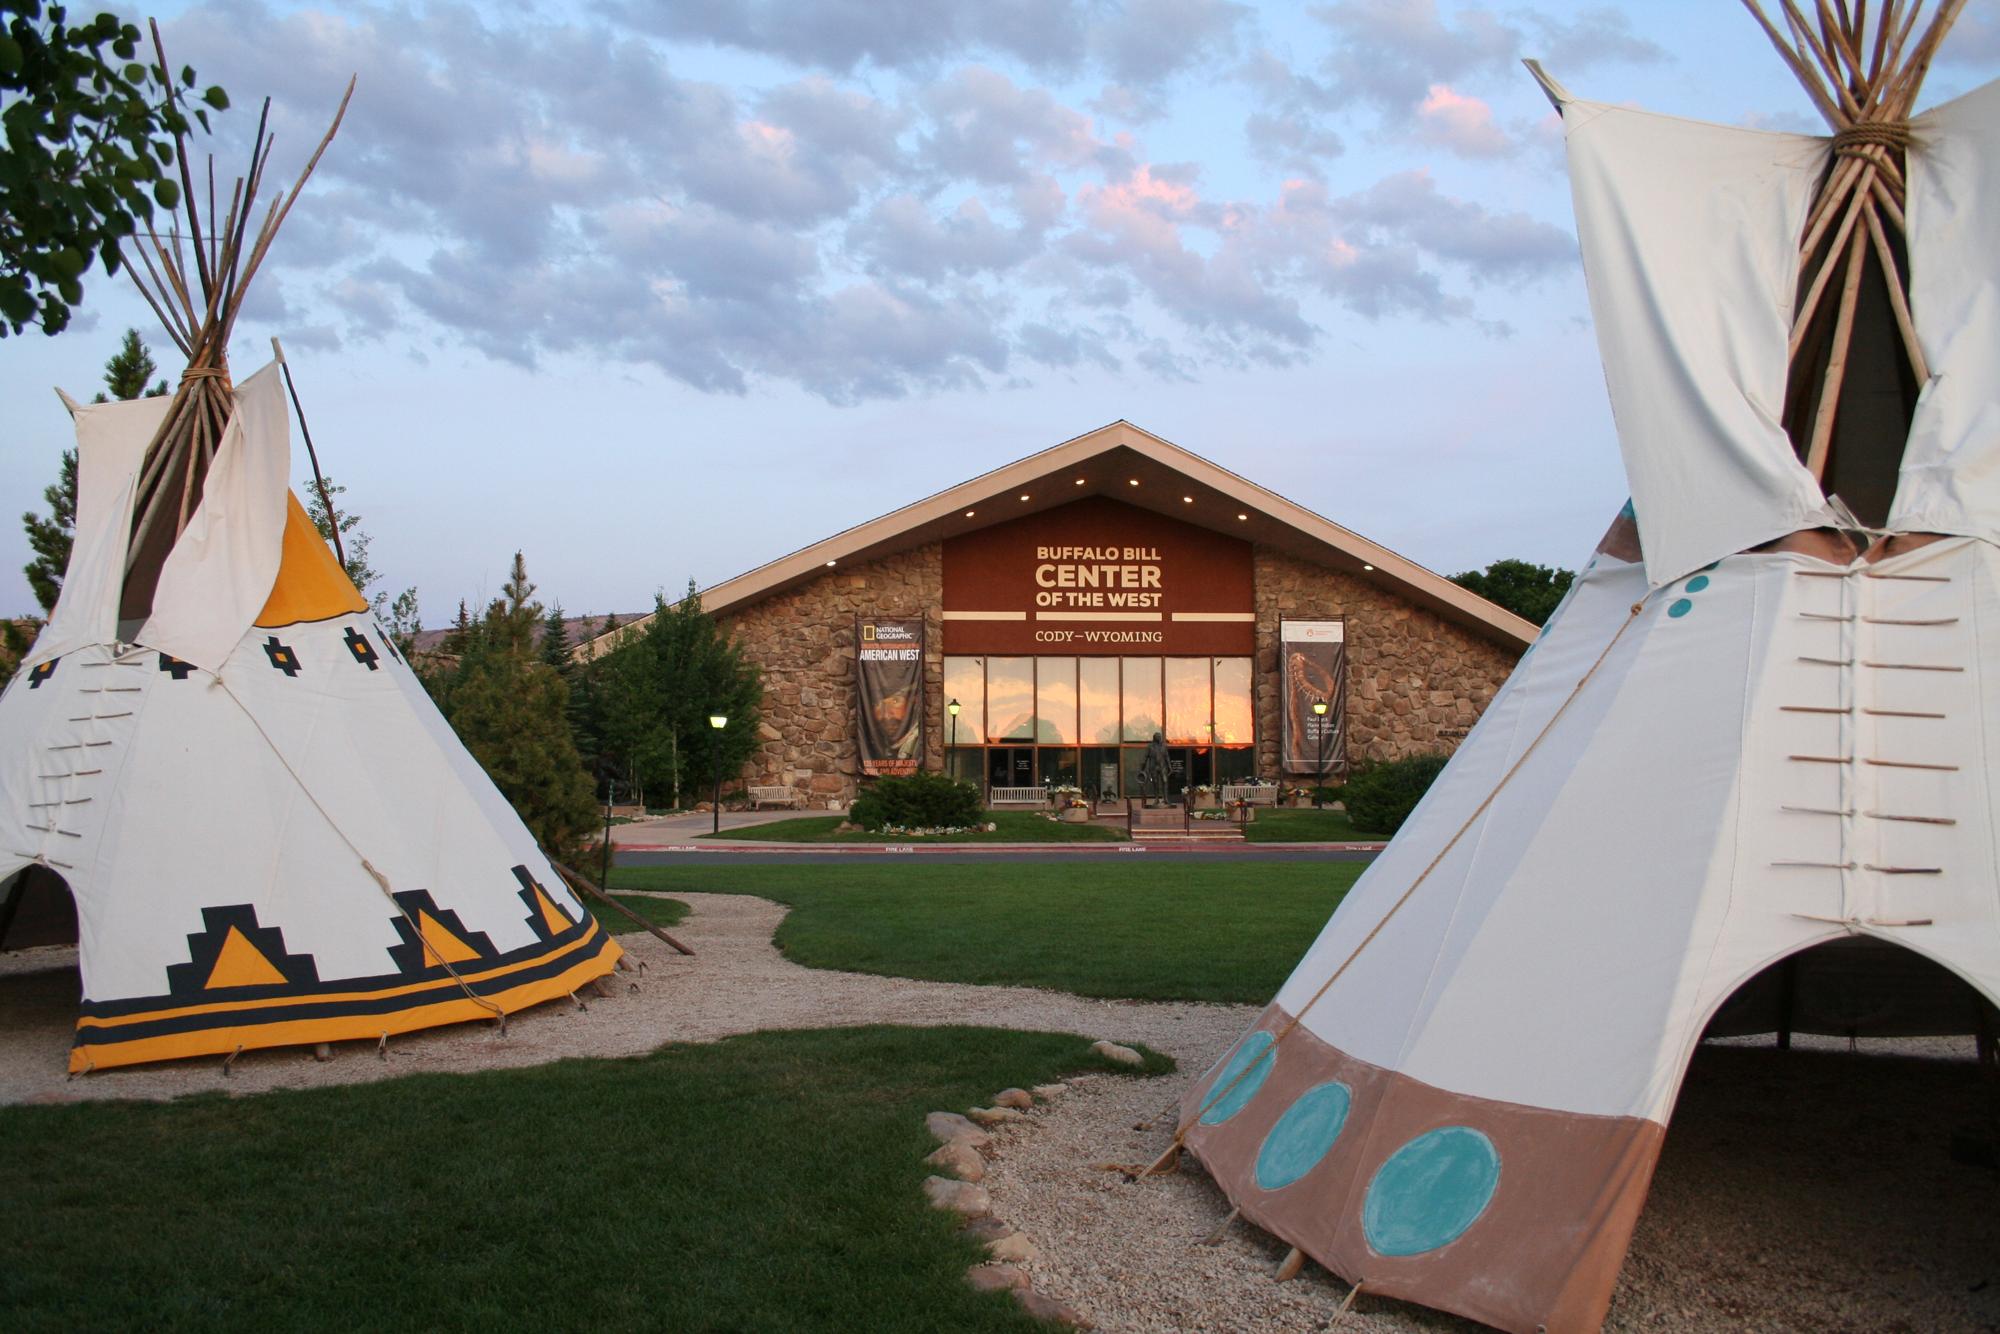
[[659, 291]]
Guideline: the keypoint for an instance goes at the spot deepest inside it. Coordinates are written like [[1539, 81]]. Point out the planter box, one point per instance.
[[1074, 815]]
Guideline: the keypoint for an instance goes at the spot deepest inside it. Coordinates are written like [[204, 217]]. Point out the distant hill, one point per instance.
[[580, 628]]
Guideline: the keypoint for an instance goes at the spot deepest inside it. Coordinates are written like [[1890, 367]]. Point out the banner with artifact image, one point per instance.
[[889, 685], [1313, 668]]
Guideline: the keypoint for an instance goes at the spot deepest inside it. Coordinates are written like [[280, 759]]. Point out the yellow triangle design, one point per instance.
[[558, 921], [241, 964], [443, 943]]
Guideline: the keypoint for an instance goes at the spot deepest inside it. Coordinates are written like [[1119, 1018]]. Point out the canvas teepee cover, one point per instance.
[[1715, 759], [270, 834]]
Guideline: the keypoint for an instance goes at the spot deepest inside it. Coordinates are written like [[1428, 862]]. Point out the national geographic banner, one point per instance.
[[1313, 662], [889, 682]]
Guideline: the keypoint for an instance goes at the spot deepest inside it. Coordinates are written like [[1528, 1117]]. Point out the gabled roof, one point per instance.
[[1134, 466]]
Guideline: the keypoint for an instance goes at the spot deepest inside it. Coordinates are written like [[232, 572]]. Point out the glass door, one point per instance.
[[1010, 766]]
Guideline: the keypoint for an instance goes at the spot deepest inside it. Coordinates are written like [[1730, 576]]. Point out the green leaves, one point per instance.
[[85, 133]]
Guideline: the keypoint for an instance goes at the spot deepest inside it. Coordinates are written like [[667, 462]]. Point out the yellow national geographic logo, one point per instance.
[[868, 632]]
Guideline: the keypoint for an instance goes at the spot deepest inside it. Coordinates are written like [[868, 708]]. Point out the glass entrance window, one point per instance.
[[1055, 701], [1097, 699], [1187, 700], [1235, 713], [1143, 713], [1057, 767], [1010, 699], [965, 681], [1100, 778], [1084, 721]]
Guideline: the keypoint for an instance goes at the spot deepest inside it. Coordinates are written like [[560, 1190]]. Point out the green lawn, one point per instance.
[[1303, 824], [768, 1182], [1010, 827], [1221, 930], [660, 912]]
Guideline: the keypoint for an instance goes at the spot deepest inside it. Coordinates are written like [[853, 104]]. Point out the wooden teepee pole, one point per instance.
[[1864, 78]]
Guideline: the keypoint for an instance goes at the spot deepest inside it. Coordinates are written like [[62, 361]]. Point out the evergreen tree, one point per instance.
[[657, 690], [49, 538], [125, 376], [353, 542], [130, 367], [555, 644], [510, 710], [401, 613], [1529, 591], [14, 645]]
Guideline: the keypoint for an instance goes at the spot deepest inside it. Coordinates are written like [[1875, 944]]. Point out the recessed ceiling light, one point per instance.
[[1187, 500], [968, 514], [829, 564], [1024, 495], [1135, 481], [1079, 481], [1368, 567]]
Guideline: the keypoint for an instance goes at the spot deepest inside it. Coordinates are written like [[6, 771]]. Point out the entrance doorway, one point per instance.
[[1010, 766]]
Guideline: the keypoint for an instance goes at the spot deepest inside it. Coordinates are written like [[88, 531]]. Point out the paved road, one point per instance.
[[975, 856]]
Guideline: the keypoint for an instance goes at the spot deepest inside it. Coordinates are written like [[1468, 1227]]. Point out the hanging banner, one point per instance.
[[1313, 662], [889, 684]]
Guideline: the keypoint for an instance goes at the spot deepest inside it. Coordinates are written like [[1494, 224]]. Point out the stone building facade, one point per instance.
[[1416, 682], [1118, 564]]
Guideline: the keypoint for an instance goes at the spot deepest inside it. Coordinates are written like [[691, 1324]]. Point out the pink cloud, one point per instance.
[[1460, 123]]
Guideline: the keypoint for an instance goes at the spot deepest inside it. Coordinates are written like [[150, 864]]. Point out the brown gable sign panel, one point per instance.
[[1098, 577]]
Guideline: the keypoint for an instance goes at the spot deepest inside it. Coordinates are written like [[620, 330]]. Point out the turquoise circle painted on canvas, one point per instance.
[[1696, 584], [1680, 608], [1430, 1191], [1253, 1054], [1303, 1135]]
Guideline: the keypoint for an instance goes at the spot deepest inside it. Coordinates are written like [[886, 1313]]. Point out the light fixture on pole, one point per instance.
[[717, 722], [1319, 720], [951, 760]]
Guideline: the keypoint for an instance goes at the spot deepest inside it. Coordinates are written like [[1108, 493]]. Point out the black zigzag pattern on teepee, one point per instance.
[[411, 956], [190, 979], [536, 921]]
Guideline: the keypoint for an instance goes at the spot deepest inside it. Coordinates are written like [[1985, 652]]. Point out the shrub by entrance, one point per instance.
[[921, 801], [1381, 796]]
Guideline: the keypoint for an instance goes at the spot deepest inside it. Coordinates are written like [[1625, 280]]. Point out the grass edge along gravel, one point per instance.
[[1009, 827], [772, 1180], [660, 912], [1224, 930]]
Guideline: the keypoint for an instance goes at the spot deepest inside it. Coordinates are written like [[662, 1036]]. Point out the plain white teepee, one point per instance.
[[1742, 778]]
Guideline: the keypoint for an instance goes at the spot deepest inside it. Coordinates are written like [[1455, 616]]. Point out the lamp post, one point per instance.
[[951, 751], [610, 798], [1319, 784], [716, 723]]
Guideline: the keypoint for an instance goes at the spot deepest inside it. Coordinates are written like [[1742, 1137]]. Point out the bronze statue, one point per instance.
[[1153, 769]]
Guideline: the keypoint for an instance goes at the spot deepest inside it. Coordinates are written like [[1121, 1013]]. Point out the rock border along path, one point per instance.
[[1748, 1226]]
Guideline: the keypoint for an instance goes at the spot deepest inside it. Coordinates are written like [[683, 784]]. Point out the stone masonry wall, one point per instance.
[[804, 642], [1415, 682]]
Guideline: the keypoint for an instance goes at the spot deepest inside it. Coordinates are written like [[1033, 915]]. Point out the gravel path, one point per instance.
[[1803, 1191], [737, 982]]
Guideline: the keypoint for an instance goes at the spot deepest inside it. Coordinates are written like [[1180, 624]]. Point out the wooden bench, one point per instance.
[[1257, 794], [1017, 796], [775, 796]]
